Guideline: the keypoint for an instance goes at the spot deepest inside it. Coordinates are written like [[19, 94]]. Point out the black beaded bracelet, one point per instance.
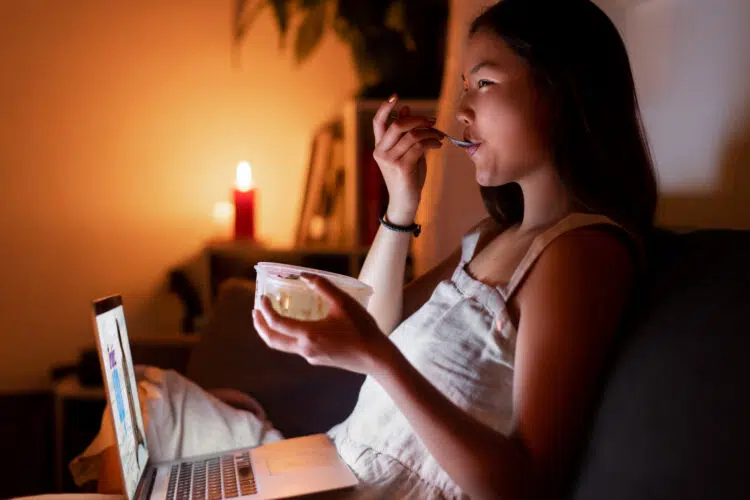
[[413, 228]]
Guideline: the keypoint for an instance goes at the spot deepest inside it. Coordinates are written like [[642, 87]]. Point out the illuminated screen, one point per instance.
[[123, 395]]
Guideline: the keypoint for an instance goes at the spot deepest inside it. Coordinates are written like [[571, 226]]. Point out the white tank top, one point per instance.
[[454, 342]]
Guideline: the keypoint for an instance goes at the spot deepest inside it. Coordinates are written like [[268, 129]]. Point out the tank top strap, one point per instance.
[[568, 223]]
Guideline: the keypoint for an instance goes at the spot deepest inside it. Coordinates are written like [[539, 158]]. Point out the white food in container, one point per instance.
[[293, 298]]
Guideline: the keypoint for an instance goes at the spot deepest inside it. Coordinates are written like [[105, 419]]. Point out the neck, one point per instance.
[[545, 200]]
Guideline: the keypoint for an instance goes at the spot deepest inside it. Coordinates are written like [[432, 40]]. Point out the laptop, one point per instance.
[[283, 469]]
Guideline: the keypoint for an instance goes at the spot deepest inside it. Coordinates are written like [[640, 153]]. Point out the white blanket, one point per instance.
[[182, 420]]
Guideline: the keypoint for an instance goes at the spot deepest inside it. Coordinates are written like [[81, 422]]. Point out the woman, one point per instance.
[[483, 385]]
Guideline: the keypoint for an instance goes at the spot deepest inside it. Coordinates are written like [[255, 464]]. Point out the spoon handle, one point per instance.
[[456, 142]]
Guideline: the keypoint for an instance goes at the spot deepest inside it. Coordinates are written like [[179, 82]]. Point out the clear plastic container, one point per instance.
[[291, 297]]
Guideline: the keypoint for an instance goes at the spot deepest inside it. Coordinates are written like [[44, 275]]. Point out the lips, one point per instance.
[[475, 143]]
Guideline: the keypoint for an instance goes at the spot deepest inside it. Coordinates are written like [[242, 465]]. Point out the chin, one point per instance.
[[488, 177], [484, 182], [489, 172]]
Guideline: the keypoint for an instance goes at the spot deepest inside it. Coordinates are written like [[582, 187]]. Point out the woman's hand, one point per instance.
[[346, 338], [400, 153]]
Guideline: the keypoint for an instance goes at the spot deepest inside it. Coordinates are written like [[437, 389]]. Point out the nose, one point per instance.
[[464, 113]]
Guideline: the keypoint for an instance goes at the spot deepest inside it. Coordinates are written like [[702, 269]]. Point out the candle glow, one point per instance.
[[223, 211], [244, 202], [244, 177]]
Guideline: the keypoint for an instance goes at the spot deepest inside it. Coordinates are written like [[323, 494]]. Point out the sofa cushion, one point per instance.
[[299, 398], [674, 416]]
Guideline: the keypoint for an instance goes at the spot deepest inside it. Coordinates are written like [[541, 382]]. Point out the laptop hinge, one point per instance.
[[146, 485]]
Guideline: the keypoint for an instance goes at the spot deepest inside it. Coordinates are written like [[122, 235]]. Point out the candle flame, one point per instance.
[[244, 178]]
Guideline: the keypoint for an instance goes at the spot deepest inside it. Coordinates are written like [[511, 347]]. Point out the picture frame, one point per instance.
[[322, 212], [344, 193], [366, 193]]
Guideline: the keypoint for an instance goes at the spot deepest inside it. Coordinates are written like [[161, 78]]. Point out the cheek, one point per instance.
[[514, 124], [514, 142]]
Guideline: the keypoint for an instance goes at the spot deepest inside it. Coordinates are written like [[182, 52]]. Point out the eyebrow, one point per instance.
[[479, 66]]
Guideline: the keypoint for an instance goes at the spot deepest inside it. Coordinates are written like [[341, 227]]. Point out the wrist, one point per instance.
[[387, 362], [400, 217]]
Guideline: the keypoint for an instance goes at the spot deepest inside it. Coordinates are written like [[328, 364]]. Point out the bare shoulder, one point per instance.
[[586, 256], [584, 272], [583, 277], [569, 310], [604, 242]]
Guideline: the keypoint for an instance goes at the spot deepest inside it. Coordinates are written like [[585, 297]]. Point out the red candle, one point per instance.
[[244, 203]]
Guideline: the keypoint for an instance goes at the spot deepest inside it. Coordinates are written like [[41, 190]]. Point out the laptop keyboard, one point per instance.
[[228, 476]]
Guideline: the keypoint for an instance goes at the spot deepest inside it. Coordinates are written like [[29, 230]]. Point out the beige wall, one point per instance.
[[451, 201], [122, 122], [692, 70]]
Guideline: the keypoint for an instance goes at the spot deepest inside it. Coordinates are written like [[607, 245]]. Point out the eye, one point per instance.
[[483, 83]]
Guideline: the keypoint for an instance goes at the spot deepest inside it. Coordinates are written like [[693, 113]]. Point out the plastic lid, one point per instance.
[[286, 271]]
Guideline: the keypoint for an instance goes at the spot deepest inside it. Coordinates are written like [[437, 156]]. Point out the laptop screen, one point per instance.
[[122, 391]]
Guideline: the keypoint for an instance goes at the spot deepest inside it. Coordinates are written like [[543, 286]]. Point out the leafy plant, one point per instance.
[[396, 45]]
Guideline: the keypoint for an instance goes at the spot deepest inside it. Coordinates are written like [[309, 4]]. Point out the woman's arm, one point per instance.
[[384, 305], [400, 154], [570, 306], [384, 270]]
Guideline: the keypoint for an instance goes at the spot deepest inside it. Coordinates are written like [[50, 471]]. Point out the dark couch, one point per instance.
[[673, 418], [673, 421]]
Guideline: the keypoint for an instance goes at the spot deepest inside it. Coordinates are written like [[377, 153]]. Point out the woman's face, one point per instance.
[[502, 113]]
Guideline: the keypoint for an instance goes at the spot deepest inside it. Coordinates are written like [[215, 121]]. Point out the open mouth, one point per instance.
[[471, 150]]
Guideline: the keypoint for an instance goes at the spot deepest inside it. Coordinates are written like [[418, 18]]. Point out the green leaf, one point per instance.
[[367, 70], [344, 31], [281, 13], [311, 3], [363, 14], [395, 16], [245, 15], [238, 26], [310, 32]]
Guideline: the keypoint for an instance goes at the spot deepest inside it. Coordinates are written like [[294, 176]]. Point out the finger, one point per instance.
[[282, 324], [397, 129], [417, 150], [153, 374], [273, 339], [432, 144], [412, 138], [147, 390], [143, 399], [380, 120], [404, 112], [333, 294]]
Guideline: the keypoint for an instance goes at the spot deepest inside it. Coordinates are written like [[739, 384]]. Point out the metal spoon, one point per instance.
[[456, 142]]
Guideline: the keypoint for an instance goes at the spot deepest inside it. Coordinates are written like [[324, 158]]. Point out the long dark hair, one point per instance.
[[581, 70]]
